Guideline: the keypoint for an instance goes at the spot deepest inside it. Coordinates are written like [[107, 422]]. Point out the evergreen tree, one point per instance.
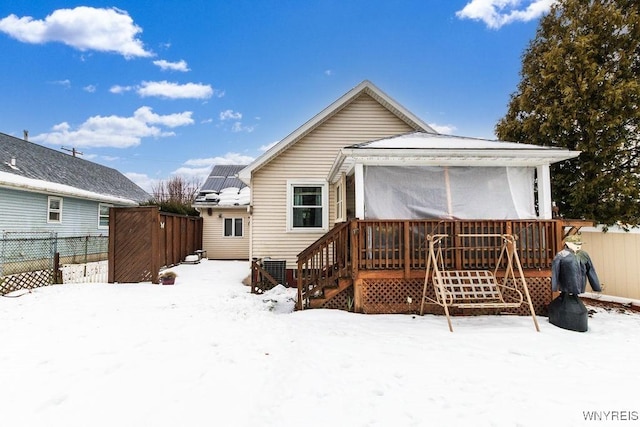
[[580, 89]]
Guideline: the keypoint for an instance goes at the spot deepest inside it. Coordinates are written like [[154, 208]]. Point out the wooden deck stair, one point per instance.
[[330, 292]]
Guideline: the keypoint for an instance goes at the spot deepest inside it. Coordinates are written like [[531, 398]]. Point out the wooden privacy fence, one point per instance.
[[142, 240]]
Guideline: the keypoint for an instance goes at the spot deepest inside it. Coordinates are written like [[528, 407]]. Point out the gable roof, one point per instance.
[[35, 167], [366, 87], [427, 149], [221, 177]]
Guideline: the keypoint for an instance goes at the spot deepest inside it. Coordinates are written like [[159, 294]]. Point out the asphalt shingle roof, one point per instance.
[[38, 162]]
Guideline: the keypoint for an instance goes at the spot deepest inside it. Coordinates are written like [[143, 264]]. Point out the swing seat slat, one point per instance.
[[471, 289]]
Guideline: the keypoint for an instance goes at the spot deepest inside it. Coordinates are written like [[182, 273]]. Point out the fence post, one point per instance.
[[57, 273]]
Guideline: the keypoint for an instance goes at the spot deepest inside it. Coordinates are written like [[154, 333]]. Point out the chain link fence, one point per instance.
[[28, 259]]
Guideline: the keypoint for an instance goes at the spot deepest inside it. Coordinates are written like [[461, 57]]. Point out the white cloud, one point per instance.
[[165, 89], [83, 28], [496, 13], [90, 88], [120, 89], [238, 127], [268, 146], [143, 181], [227, 159], [198, 175], [230, 115], [444, 129], [64, 83], [172, 66], [116, 131]]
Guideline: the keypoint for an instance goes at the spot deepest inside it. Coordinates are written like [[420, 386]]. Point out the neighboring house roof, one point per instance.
[[428, 149], [364, 87], [33, 167], [221, 177]]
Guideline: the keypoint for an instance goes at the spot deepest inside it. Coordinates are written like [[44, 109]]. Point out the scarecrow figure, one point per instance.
[[569, 273]]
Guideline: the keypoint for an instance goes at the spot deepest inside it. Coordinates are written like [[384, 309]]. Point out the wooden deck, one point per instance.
[[376, 266]]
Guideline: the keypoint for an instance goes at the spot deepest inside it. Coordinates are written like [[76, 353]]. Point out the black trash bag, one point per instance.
[[567, 311]]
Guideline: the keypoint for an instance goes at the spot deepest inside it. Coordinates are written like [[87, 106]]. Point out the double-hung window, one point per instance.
[[307, 206], [233, 227], [103, 215], [54, 209]]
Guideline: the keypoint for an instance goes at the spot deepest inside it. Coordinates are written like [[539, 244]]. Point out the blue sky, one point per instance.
[[160, 88]]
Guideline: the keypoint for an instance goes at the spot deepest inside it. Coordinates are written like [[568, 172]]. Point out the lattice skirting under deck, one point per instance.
[[387, 296], [342, 301]]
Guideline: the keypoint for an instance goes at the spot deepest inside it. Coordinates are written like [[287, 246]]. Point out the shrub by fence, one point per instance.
[[32, 259]]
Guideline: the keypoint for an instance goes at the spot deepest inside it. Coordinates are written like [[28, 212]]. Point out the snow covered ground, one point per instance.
[[206, 352]]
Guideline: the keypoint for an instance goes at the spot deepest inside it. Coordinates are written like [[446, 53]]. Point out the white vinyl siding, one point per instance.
[[54, 210], [311, 158], [213, 239], [29, 211]]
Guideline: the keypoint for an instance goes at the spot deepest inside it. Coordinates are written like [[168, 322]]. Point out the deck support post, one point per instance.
[[544, 193], [359, 190]]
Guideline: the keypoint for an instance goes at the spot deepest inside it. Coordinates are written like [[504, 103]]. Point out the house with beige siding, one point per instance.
[[223, 203], [358, 185], [296, 169]]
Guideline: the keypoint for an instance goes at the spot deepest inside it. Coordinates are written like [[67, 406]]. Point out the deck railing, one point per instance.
[[384, 245], [397, 245]]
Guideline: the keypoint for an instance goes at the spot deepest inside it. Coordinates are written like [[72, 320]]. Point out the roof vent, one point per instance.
[[12, 164]]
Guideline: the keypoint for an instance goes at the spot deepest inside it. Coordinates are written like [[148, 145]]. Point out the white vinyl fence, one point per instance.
[[616, 258], [91, 272]]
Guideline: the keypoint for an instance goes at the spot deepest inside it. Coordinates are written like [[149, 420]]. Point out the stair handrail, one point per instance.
[[315, 278]]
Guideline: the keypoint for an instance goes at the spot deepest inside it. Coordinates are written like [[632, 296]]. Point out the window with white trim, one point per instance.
[[307, 206], [233, 227], [54, 209], [103, 215], [341, 212]]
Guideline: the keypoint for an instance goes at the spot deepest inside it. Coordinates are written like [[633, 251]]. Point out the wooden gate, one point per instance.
[[143, 239]]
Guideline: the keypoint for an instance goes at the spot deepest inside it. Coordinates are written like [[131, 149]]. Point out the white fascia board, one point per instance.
[[16, 182], [458, 157]]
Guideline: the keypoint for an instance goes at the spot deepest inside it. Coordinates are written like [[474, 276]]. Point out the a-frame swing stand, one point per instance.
[[475, 289]]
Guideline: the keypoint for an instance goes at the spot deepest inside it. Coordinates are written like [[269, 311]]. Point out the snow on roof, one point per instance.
[[427, 149], [40, 186], [423, 140]]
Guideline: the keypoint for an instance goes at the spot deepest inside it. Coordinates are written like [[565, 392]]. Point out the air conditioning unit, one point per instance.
[[277, 268]]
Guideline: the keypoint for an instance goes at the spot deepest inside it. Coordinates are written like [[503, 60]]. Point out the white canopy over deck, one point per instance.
[[425, 175]]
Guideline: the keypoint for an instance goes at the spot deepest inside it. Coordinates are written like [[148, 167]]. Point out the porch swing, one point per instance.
[[475, 289]]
